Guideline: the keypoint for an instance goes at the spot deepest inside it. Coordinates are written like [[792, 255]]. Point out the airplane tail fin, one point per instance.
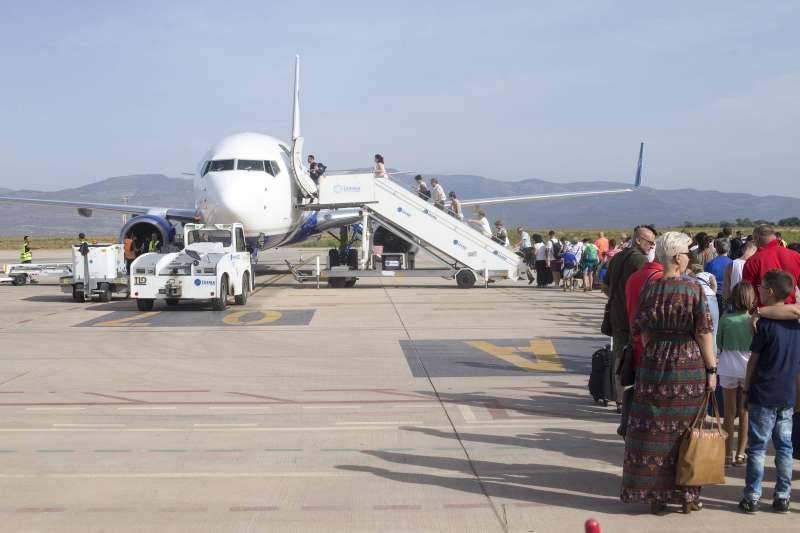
[[638, 181], [296, 109]]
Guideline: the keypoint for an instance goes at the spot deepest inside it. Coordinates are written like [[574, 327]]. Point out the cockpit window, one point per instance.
[[205, 168], [250, 164], [272, 167], [220, 165], [210, 235]]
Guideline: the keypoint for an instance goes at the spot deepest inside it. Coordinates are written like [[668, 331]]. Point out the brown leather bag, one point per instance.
[[701, 459]]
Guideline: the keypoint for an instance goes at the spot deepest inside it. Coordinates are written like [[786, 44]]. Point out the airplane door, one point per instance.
[[301, 177]]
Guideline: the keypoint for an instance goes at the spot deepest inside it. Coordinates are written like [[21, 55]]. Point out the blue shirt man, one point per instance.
[[718, 265]]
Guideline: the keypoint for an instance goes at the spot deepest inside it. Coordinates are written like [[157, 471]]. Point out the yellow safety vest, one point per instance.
[[153, 246], [25, 254]]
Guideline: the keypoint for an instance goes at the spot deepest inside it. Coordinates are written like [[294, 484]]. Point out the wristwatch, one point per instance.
[[712, 370]]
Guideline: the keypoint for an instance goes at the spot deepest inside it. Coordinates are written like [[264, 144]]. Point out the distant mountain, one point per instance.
[[142, 189], [660, 207]]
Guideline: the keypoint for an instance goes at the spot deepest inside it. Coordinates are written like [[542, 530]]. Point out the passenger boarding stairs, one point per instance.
[[404, 213]]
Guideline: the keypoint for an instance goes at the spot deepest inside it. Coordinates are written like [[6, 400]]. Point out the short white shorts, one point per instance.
[[729, 382]]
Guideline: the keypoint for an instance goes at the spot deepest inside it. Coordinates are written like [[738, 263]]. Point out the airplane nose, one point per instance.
[[221, 199]]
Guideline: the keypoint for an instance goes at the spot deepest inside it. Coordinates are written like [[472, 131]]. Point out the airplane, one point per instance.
[[260, 181]]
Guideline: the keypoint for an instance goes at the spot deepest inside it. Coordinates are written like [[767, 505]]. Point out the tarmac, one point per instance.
[[396, 405]]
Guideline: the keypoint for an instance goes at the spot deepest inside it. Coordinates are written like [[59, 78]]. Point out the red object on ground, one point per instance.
[[592, 526]]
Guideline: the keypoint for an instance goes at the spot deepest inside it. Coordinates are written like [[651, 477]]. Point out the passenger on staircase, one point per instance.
[[482, 223], [455, 206], [501, 234], [438, 194], [315, 168], [421, 189], [380, 169]]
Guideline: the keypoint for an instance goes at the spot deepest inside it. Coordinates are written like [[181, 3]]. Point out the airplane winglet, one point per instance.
[[638, 181], [296, 108]]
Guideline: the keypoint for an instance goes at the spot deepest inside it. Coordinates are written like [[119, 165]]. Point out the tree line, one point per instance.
[[744, 222]]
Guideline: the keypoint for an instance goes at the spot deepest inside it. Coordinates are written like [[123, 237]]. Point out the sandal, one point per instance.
[[740, 460]]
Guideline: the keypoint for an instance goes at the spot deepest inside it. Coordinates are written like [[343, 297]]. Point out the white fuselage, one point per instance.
[[235, 183]]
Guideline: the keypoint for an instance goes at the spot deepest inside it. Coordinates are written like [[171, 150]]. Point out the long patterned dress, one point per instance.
[[670, 388]]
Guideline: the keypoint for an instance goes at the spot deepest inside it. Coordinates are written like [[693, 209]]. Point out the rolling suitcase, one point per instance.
[[600, 386]]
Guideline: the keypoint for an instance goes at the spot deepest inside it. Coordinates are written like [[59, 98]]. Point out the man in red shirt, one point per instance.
[[770, 256], [633, 288]]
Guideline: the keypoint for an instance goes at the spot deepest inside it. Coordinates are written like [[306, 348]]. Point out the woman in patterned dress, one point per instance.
[[678, 366]]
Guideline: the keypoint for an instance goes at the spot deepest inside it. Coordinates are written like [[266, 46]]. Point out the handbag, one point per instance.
[[605, 326], [626, 370], [701, 458]]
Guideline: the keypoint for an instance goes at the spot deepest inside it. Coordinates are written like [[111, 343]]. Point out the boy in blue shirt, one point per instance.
[[770, 390]]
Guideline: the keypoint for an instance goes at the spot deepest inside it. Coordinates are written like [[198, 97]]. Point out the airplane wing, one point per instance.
[[530, 197], [85, 209]]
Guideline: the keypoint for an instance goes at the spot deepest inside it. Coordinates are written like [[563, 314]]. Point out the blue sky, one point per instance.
[[562, 91]]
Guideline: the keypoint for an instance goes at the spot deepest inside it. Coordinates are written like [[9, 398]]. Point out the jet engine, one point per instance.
[[142, 227]]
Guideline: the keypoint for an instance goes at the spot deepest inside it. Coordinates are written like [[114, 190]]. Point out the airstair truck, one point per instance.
[[213, 266]]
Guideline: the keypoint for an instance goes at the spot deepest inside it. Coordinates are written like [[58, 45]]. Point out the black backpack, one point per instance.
[[557, 247]]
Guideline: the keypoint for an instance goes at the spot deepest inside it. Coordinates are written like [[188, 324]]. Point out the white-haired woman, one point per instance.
[[677, 367]]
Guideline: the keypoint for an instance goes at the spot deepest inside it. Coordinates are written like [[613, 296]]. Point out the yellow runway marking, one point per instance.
[[267, 317], [547, 359], [128, 321]]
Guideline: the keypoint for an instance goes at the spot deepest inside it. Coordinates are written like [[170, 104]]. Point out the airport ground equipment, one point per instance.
[[469, 255], [22, 273], [98, 271], [214, 265]]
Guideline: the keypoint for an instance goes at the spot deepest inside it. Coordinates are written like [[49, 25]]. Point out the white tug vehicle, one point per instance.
[[214, 265]]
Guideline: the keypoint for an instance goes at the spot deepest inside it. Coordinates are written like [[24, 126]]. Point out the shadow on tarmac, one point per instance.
[[544, 484]]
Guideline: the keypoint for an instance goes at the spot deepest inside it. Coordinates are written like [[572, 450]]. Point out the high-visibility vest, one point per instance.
[[153, 246], [129, 253], [25, 254]]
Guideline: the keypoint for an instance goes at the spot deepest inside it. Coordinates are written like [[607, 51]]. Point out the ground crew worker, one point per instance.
[[155, 244], [130, 253], [82, 238], [25, 254]]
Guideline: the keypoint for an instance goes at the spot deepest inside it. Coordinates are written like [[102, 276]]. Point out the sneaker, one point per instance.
[[748, 506], [780, 505]]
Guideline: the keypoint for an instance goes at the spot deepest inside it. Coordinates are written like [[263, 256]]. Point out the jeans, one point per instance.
[[766, 422]]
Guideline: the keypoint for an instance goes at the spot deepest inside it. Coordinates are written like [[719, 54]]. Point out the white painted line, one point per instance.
[[176, 475], [383, 423], [467, 413], [331, 407], [235, 429], [89, 425], [225, 425], [165, 408], [239, 407], [415, 405], [55, 408]]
